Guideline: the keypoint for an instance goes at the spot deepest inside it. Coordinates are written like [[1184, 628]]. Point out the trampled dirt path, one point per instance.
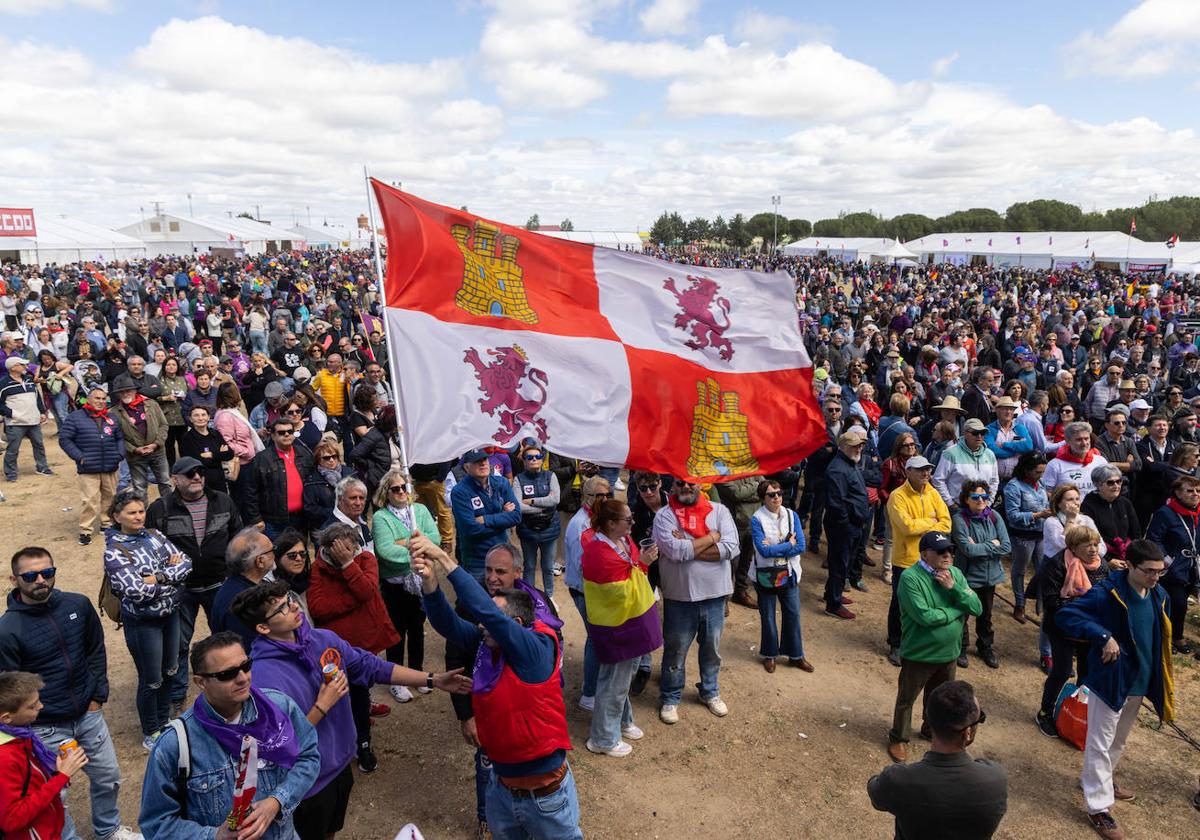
[[791, 759]]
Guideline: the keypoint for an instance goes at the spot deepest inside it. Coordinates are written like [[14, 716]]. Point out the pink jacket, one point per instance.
[[237, 434]]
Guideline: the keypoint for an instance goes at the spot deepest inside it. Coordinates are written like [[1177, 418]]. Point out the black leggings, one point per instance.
[[360, 707], [408, 618], [174, 436], [1177, 594], [1066, 652]]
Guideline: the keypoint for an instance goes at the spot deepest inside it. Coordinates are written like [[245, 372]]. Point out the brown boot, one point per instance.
[[898, 751], [769, 666], [1019, 615], [745, 598]]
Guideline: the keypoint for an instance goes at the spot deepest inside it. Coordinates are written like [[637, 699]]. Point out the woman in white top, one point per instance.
[[778, 543]]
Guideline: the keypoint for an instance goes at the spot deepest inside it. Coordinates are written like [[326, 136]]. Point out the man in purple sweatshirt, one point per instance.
[[289, 656]]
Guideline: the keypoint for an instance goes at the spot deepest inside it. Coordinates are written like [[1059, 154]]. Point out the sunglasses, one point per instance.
[[602, 495], [31, 577], [229, 673], [774, 494], [196, 473], [397, 488], [293, 412], [285, 432], [289, 603], [977, 497], [647, 488], [980, 720], [328, 457], [973, 433], [1114, 482], [298, 554], [533, 457]]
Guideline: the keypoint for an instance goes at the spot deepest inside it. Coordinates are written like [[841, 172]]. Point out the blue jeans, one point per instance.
[[1023, 551], [13, 436], [154, 645], [684, 621], [530, 549], [189, 607], [104, 776], [771, 644], [59, 406], [553, 817], [613, 712], [591, 665], [611, 474], [483, 774], [258, 342]]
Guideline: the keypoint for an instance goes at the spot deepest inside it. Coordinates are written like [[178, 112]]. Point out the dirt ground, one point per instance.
[[791, 759]]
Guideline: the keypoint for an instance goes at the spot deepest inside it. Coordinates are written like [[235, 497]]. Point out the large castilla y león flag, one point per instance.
[[499, 333]]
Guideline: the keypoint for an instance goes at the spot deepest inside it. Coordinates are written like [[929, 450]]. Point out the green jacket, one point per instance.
[[931, 616], [386, 528], [975, 553], [156, 428]]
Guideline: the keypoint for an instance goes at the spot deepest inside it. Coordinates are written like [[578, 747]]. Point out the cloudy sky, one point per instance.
[[603, 111]]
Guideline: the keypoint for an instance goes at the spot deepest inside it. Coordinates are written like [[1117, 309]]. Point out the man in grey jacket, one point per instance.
[[24, 413]]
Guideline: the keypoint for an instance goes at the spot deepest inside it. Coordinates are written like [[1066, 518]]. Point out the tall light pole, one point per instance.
[[190, 213], [775, 214]]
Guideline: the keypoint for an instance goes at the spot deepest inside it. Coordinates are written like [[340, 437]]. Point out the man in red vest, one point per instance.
[[520, 717]]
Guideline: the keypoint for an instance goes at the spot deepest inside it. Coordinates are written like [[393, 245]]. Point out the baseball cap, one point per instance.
[[185, 465], [975, 425], [12, 361], [1139, 405], [953, 368], [302, 375], [473, 455], [273, 391], [936, 541], [917, 462], [851, 436]]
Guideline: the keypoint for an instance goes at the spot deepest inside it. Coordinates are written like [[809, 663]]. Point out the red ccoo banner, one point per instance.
[[16, 221]]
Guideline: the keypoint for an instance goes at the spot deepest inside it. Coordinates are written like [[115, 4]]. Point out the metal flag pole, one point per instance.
[[393, 357]]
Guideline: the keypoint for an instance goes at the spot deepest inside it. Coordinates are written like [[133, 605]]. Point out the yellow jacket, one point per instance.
[[912, 515]]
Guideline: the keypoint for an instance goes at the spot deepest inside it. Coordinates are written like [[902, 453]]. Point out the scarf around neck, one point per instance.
[[133, 404], [301, 648], [1185, 513], [96, 413], [44, 755], [1064, 453], [1076, 581], [692, 519], [272, 729]]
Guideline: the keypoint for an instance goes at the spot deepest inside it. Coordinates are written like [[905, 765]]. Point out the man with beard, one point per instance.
[[58, 636], [697, 541]]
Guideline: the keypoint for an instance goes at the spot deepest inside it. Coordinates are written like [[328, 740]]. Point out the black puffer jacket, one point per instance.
[[62, 642], [170, 516], [266, 484]]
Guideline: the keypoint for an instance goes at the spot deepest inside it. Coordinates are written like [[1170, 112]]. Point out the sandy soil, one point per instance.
[[791, 759]]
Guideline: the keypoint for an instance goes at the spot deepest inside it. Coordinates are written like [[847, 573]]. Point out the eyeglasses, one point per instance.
[[602, 495], [979, 720], [908, 445], [978, 497], [774, 494], [289, 604], [973, 433], [31, 577], [229, 673], [1114, 482], [628, 519], [1158, 572], [298, 554], [532, 457], [647, 488], [285, 432], [293, 412], [397, 488]]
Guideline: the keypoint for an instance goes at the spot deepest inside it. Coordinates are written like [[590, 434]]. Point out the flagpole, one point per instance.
[[393, 360]]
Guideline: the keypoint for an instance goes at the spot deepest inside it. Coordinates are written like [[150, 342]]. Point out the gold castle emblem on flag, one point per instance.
[[720, 444], [492, 284]]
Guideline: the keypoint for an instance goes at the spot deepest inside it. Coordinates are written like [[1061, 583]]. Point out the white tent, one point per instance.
[[335, 236], [185, 235], [1043, 249], [62, 240], [621, 240], [850, 248]]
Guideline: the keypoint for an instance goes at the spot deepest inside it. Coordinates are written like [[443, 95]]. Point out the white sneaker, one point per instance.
[[587, 703], [717, 706], [124, 832], [423, 689], [669, 714], [633, 732], [400, 693], [559, 568], [619, 486], [619, 751], [148, 744]]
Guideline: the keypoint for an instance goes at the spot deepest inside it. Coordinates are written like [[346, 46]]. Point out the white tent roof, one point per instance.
[[207, 228], [1108, 246], [62, 233], [603, 238], [813, 244], [335, 235]]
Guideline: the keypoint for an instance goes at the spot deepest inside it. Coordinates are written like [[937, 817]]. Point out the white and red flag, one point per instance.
[[498, 333]]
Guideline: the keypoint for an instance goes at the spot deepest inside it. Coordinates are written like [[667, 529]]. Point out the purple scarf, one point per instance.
[[541, 610], [489, 665], [272, 729], [41, 752], [984, 515], [301, 649]]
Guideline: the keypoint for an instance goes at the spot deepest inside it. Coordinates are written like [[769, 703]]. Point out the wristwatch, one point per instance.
[[429, 680]]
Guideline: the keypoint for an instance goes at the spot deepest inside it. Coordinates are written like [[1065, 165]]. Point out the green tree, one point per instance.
[[566, 224], [908, 226], [719, 230], [862, 224], [799, 228], [698, 229], [765, 225], [533, 222], [739, 235], [668, 229], [827, 227], [245, 214], [1043, 214], [975, 219]]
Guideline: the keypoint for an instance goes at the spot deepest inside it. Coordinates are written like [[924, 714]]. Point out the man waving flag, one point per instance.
[[609, 356]]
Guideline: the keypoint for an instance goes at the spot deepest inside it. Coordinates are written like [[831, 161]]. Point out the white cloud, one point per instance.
[[665, 17], [942, 66], [1152, 39], [28, 8], [762, 28]]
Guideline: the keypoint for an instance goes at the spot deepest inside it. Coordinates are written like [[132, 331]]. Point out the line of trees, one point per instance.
[[1157, 221]]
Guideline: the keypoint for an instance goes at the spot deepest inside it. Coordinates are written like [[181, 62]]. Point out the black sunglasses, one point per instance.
[[229, 673], [396, 488], [980, 720], [193, 473], [288, 604], [31, 577], [602, 495]]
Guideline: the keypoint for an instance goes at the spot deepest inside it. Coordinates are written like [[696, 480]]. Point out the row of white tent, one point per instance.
[[1043, 249]]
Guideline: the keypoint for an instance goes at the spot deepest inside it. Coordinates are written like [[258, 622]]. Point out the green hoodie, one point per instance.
[[931, 616]]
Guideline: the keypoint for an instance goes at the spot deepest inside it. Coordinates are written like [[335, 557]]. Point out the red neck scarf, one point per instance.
[[1185, 513], [97, 413], [1065, 453], [692, 518], [135, 402]]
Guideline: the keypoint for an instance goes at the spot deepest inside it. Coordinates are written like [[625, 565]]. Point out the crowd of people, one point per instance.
[[986, 429]]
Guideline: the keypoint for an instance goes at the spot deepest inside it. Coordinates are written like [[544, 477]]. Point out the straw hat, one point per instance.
[[950, 403]]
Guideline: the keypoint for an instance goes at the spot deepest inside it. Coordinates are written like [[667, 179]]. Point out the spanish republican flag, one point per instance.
[[498, 333], [622, 614]]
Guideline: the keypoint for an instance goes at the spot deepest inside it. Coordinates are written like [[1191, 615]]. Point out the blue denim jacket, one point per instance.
[[1021, 502], [210, 786]]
